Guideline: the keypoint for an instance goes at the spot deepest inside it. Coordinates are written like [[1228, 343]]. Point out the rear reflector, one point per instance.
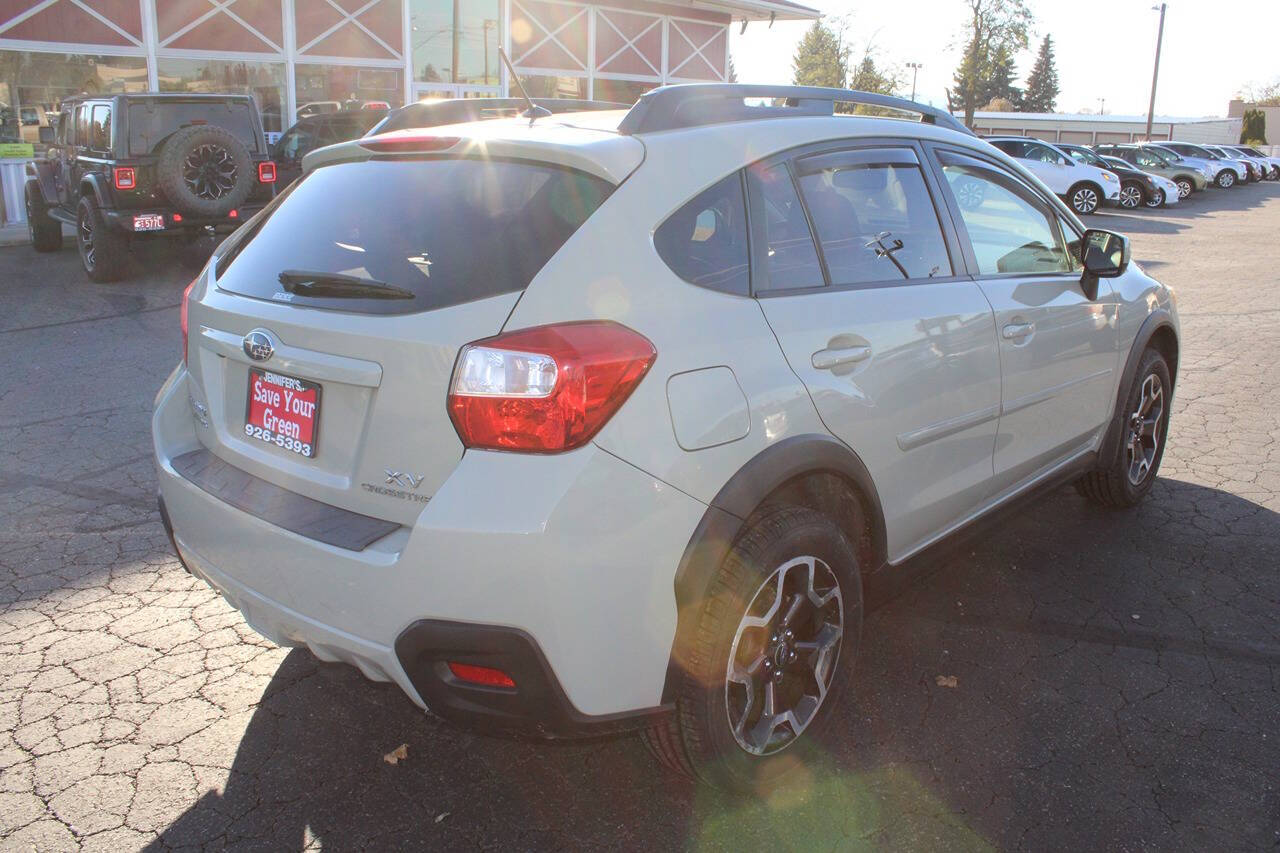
[[125, 178], [406, 142], [484, 675], [545, 389], [182, 317], [266, 172]]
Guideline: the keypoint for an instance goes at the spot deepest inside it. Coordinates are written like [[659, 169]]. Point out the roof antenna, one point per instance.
[[534, 112]]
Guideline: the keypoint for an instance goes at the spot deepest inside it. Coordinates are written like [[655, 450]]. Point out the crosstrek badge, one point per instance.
[[283, 411]]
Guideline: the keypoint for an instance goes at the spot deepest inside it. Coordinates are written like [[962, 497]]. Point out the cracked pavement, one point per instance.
[[1117, 673]]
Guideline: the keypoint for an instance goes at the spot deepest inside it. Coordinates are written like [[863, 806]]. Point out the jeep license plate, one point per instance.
[[148, 222], [283, 411]]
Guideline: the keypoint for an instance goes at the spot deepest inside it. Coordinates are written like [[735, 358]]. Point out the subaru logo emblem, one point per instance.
[[258, 346]]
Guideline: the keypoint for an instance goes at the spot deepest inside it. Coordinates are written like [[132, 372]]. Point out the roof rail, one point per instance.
[[698, 104]]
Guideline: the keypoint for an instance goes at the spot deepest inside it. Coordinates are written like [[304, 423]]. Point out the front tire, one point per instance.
[[1127, 478], [44, 232], [1131, 196], [1157, 199], [103, 252], [1084, 198], [767, 656], [1226, 179], [1185, 187]]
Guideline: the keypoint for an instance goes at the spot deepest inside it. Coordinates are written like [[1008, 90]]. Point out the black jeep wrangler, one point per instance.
[[122, 168]]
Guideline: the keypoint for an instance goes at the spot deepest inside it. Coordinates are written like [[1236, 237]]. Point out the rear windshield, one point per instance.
[[152, 122], [447, 231]]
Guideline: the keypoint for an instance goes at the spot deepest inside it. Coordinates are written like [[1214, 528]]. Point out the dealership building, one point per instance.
[[1087, 129], [290, 53]]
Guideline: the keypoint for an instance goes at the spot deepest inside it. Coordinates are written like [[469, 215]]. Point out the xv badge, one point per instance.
[[403, 479]]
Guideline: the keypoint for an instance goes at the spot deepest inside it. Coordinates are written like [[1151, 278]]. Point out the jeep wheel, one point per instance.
[[770, 652], [205, 171], [103, 252], [44, 231], [1129, 476]]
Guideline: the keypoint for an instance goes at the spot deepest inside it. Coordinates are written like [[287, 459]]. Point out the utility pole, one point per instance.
[[915, 68], [1102, 106], [1155, 74]]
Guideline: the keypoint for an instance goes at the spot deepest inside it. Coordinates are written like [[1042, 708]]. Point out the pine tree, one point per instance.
[[822, 58], [1042, 83], [732, 76], [1253, 130], [999, 85], [994, 28]]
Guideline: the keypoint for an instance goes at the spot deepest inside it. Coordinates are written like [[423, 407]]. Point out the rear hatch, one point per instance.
[[364, 280]]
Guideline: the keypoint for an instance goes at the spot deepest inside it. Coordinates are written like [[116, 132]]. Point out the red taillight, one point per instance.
[[125, 178], [545, 389], [485, 675], [234, 214], [266, 172], [182, 317], [177, 217], [408, 141]]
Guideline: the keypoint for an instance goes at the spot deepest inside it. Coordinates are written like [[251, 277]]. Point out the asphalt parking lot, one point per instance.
[[1117, 675]]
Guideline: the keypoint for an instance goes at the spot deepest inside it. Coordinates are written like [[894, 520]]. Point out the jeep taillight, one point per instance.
[[545, 389], [125, 178], [266, 172], [182, 317]]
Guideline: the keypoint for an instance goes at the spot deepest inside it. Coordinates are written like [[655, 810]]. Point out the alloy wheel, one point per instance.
[[1084, 200], [84, 237], [1144, 430], [1184, 188], [1157, 199], [784, 655], [1226, 178], [970, 194], [1130, 196], [209, 171]]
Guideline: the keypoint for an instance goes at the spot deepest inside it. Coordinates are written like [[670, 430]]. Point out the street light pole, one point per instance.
[[915, 67], [1155, 74]]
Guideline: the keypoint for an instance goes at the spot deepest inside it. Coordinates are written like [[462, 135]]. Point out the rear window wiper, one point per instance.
[[340, 285]]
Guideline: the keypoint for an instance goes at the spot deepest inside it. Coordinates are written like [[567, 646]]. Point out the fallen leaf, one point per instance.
[[442, 816], [947, 681], [395, 756]]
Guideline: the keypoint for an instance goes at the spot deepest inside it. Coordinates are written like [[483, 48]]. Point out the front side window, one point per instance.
[[1043, 153], [791, 261], [101, 130], [1148, 160], [705, 241], [875, 222], [1010, 146], [1009, 228]]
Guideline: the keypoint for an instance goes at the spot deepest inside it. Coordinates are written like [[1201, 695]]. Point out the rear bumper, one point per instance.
[[557, 569], [122, 220]]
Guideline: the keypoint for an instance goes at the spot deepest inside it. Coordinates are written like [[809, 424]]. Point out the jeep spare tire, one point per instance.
[[205, 171]]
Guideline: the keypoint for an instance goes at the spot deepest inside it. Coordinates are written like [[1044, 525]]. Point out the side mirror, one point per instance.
[[46, 135], [1104, 254]]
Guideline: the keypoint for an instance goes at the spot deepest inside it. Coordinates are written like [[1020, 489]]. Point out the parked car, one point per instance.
[[1084, 187], [1227, 173], [124, 168], [1273, 163], [315, 108], [1257, 169], [578, 425], [1187, 177], [316, 131], [1136, 187]]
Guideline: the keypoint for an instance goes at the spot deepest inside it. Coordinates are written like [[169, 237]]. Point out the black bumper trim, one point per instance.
[[294, 512], [537, 706]]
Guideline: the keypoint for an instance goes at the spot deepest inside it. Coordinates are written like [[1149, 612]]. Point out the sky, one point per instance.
[[1103, 49]]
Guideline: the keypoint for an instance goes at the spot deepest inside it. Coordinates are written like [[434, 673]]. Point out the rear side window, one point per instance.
[[101, 129], [705, 241], [791, 261], [152, 122], [446, 231], [875, 222]]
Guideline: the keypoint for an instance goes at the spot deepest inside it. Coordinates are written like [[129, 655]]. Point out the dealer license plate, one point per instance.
[[148, 222], [283, 410]]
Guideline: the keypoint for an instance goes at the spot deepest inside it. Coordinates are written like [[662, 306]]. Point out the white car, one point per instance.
[[1084, 187], [1259, 167], [597, 421], [1227, 173], [1272, 163], [1136, 186], [1170, 193]]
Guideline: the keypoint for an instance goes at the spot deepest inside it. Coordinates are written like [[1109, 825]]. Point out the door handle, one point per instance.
[[826, 359], [1013, 331]]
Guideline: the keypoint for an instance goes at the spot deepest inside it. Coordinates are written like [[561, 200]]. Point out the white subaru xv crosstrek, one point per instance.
[[599, 422]]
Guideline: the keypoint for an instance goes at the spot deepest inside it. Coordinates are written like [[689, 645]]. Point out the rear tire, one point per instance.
[[786, 608], [103, 252], [1145, 423], [44, 231]]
